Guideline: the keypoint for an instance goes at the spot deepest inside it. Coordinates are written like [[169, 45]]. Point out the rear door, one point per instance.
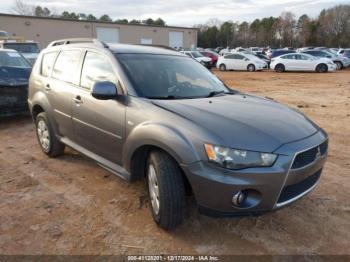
[[60, 87], [99, 125]]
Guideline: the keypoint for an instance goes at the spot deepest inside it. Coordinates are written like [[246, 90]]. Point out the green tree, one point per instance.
[[105, 18]]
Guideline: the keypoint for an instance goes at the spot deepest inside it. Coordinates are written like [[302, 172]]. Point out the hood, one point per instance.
[[243, 121], [14, 76]]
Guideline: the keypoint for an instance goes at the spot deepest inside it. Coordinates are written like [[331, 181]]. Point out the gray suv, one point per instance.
[[146, 112]]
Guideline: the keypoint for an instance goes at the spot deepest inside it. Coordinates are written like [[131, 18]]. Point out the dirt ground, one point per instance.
[[70, 205]]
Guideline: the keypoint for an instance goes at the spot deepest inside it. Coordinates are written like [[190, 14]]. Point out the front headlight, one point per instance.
[[238, 159]]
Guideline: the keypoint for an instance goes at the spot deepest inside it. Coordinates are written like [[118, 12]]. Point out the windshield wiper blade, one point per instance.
[[216, 93], [165, 97]]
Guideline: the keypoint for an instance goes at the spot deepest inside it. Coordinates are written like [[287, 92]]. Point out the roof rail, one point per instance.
[[77, 41]]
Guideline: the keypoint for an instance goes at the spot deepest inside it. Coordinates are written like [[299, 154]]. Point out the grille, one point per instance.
[[309, 156], [292, 191]]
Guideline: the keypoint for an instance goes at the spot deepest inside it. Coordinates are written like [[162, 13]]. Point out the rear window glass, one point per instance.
[[65, 66], [47, 63]]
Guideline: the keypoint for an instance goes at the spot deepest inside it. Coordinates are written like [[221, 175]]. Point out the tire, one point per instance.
[[339, 65], [321, 68], [165, 173], [251, 68], [279, 68], [47, 139], [222, 67]]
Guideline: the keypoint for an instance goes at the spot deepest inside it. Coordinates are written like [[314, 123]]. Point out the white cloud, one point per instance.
[[184, 12]]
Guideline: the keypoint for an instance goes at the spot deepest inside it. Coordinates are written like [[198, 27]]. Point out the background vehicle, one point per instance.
[[344, 52], [302, 62], [278, 52], [224, 51], [212, 55], [149, 112], [4, 34], [240, 61], [14, 74], [205, 61], [30, 50], [341, 62]]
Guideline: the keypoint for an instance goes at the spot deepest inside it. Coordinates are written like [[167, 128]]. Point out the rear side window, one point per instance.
[[65, 66], [47, 63], [96, 68]]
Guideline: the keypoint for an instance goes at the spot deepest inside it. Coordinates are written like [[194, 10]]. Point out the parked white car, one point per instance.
[[240, 61], [302, 62], [205, 61]]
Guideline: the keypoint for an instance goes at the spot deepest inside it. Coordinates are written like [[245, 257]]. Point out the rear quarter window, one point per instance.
[[47, 63]]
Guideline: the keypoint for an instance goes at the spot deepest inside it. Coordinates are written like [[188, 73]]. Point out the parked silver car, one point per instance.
[[145, 112]]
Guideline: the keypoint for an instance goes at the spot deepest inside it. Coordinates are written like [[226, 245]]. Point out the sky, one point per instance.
[[184, 12]]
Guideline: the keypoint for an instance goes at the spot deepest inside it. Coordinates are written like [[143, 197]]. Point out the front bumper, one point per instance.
[[266, 188], [332, 68]]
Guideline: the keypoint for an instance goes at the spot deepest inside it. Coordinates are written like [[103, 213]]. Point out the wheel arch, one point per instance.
[[148, 137]]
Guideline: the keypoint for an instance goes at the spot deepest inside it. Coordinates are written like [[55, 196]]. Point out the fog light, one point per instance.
[[238, 198]]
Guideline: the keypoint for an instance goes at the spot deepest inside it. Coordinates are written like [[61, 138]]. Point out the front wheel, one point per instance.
[[251, 68], [166, 190], [48, 142], [279, 68], [222, 67], [321, 68], [339, 65]]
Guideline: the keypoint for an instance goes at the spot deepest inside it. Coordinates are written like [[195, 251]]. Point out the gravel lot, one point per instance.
[[69, 205]]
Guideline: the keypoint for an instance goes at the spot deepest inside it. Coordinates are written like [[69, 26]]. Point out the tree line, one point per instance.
[[331, 28], [22, 8]]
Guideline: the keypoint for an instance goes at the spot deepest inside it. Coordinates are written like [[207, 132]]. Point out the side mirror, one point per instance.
[[328, 56], [246, 59], [104, 90]]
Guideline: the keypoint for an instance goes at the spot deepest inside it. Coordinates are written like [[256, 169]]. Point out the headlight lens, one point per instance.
[[238, 159]]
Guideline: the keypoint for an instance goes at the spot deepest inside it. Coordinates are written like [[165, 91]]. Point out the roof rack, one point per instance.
[[77, 41]]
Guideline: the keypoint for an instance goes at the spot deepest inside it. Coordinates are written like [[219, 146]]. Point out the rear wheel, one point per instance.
[[251, 68], [48, 142], [222, 67], [321, 68], [339, 65], [279, 68], [166, 190]]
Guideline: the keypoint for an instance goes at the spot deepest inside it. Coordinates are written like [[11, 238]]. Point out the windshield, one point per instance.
[[169, 77], [13, 59], [23, 47]]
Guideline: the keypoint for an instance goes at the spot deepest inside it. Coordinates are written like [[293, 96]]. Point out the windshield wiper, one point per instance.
[[165, 97], [216, 93]]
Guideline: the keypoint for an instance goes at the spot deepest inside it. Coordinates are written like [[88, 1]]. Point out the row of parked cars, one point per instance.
[[320, 59], [17, 57]]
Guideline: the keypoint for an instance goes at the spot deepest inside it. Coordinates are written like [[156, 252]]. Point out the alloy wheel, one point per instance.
[[44, 135], [153, 188]]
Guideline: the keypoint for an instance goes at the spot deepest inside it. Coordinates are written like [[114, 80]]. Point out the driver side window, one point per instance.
[[96, 68]]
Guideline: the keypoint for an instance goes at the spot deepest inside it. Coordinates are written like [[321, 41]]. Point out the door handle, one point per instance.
[[77, 100], [47, 87]]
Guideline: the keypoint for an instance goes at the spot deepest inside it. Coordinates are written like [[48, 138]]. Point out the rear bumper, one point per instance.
[[266, 188]]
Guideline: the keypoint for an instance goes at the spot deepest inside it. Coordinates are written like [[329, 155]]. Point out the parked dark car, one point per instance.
[[214, 56], [279, 52], [14, 74], [265, 58], [158, 115]]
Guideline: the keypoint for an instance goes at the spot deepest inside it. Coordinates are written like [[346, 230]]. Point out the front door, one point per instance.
[[99, 125]]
